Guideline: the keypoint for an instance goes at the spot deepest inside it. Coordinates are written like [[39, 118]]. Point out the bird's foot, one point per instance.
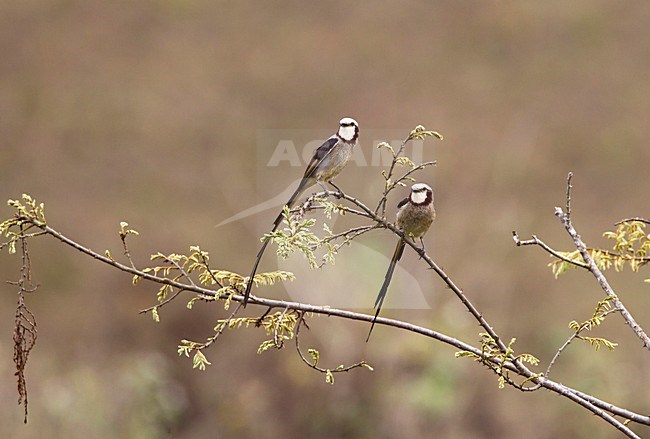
[[339, 193]]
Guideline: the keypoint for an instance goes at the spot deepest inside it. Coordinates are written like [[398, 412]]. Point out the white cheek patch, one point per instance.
[[418, 197], [347, 133]]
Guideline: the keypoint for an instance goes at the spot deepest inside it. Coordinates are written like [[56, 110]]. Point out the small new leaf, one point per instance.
[[186, 347], [419, 132], [528, 358], [124, 231], [387, 146], [267, 344], [404, 161], [597, 342], [462, 354], [200, 361], [315, 355], [163, 291], [155, 315]]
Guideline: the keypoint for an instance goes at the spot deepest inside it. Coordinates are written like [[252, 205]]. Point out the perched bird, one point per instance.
[[415, 215], [327, 162]]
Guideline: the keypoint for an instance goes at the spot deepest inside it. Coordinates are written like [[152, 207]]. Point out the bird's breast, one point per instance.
[[415, 220]]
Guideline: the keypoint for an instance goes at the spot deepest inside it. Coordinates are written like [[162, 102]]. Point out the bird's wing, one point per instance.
[[319, 155], [402, 203], [309, 179]]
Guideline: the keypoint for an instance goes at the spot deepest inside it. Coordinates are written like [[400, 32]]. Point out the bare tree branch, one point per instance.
[[536, 241], [565, 219]]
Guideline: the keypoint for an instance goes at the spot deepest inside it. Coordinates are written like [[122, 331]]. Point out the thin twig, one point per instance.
[[414, 169], [629, 220], [349, 235], [127, 253], [389, 187], [261, 318], [181, 270], [26, 235], [25, 331], [573, 336], [355, 231], [388, 176], [204, 260], [536, 241], [301, 321], [310, 205], [279, 342], [222, 328], [568, 194], [164, 302]]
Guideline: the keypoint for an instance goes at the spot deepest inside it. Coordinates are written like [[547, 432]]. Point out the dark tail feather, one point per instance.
[[374, 320], [249, 286], [304, 184], [399, 250]]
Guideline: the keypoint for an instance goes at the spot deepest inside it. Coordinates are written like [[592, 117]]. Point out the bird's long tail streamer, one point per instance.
[[399, 250]]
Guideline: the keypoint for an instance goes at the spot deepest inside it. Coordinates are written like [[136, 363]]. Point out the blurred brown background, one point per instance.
[[148, 112]]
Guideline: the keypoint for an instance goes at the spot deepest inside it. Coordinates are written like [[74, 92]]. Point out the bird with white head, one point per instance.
[[327, 162]]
